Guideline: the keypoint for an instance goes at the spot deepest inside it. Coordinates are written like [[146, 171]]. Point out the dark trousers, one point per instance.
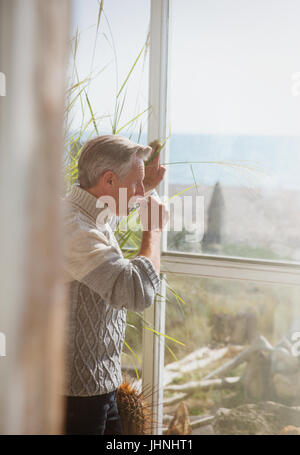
[[93, 415]]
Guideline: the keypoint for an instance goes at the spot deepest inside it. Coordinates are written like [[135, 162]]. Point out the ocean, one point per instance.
[[263, 161]]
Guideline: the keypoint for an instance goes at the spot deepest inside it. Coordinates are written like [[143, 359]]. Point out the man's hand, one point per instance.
[[154, 215], [154, 172]]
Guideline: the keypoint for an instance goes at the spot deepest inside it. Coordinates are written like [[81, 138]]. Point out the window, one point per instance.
[[232, 107], [226, 85], [219, 322], [227, 77]]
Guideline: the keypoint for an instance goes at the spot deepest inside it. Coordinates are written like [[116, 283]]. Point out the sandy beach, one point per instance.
[[262, 219]]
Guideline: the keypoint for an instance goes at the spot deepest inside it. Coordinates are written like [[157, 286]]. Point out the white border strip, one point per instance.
[[232, 268], [153, 346]]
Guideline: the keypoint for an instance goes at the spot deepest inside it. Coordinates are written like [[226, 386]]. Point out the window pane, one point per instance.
[[234, 102], [106, 47], [108, 81], [218, 322]]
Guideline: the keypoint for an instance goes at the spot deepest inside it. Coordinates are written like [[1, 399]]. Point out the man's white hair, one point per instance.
[[109, 152]]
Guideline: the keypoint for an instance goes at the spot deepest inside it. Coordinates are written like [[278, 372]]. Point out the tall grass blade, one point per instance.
[[132, 120], [130, 71], [164, 335], [92, 114]]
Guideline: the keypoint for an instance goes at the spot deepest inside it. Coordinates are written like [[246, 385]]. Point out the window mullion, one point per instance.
[[153, 346]]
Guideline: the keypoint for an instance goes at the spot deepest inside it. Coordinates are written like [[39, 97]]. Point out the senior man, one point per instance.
[[103, 284]]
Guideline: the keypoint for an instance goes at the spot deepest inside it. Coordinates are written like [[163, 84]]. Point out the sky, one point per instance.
[[231, 63], [122, 34]]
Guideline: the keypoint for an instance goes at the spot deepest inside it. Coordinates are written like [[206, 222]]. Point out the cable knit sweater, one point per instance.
[[102, 285]]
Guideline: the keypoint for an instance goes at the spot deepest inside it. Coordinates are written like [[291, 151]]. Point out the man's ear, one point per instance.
[[109, 179]]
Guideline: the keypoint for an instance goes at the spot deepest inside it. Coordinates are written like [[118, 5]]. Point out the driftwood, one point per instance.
[[175, 399], [202, 421], [204, 385], [196, 423], [269, 370], [259, 344], [198, 359], [256, 378], [280, 360]]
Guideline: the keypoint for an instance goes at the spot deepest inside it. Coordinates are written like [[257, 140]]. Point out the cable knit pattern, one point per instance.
[[103, 285]]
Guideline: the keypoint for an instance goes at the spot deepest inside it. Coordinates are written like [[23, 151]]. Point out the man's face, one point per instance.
[[133, 182]]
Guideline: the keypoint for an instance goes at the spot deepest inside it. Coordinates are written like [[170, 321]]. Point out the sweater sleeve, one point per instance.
[[120, 282]]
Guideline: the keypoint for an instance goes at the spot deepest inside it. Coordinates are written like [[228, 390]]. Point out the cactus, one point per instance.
[[134, 410]]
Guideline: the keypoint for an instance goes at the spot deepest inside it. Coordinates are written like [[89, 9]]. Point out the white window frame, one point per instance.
[[231, 268], [153, 345], [264, 271]]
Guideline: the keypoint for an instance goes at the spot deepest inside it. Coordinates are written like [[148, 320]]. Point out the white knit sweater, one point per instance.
[[102, 285]]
